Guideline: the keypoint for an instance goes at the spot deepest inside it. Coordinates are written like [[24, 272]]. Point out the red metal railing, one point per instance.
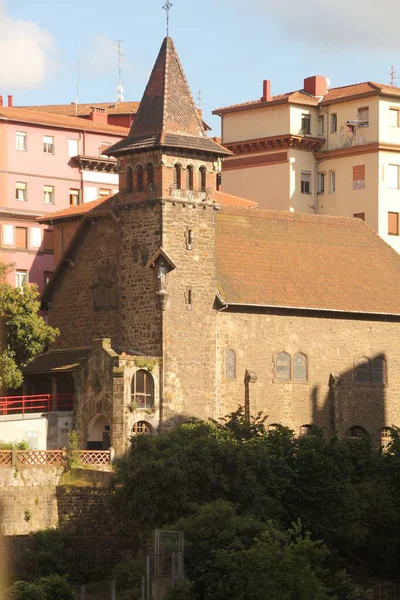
[[32, 404]]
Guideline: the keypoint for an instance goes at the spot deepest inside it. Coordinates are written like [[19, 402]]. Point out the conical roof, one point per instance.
[[167, 116]]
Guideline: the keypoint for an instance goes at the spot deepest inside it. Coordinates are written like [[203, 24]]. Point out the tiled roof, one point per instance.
[[295, 260], [22, 115], [56, 361], [298, 96], [230, 200], [84, 110], [167, 116]]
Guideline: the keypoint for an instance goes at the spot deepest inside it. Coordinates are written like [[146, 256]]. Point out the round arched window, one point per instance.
[[142, 389], [142, 428]]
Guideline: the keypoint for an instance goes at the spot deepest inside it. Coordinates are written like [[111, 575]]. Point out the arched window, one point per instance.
[[378, 370], [105, 287], [150, 174], [129, 179], [363, 370], [189, 178], [282, 366], [142, 389], [273, 426], [300, 367], [385, 436], [203, 179], [177, 177], [139, 178], [306, 431], [230, 364], [142, 428], [356, 433]]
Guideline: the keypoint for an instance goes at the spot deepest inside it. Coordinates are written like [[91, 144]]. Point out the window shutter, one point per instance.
[[393, 223], [48, 239], [21, 237]]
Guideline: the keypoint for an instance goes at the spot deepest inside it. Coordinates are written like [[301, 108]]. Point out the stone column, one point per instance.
[[54, 394]]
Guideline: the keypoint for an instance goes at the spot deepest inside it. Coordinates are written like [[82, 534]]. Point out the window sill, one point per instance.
[[307, 193], [290, 382]]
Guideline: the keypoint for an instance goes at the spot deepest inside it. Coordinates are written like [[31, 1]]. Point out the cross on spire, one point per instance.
[[167, 7]]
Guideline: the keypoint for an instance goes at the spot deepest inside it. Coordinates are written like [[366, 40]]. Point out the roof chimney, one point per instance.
[[10, 101], [98, 115], [266, 97], [315, 85]]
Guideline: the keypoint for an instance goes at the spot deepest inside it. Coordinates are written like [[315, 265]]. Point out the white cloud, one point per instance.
[[370, 25], [27, 52], [102, 55]]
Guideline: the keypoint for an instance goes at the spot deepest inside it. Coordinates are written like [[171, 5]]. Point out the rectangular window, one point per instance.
[[8, 235], [20, 191], [363, 116], [393, 177], [73, 197], [32, 439], [321, 183], [333, 123], [20, 141], [359, 177], [48, 239], [332, 182], [306, 182], [21, 277], [73, 148], [48, 144], [321, 122], [359, 216], [36, 237], [21, 238], [393, 223], [306, 124], [394, 117], [103, 193], [48, 194], [104, 146], [46, 277]]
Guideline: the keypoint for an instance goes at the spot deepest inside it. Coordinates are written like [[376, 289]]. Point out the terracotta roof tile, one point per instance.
[[84, 110], [282, 259], [78, 211], [22, 115], [230, 200]]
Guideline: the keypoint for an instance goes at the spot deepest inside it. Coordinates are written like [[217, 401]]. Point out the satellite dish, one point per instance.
[[328, 83]]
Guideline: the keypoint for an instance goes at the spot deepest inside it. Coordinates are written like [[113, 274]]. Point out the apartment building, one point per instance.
[[334, 151], [47, 162]]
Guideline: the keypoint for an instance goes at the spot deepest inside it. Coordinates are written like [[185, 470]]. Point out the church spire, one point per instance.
[[167, 116]]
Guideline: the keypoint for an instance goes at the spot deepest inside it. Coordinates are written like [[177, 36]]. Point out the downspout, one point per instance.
[[327, 147], [216, 403]]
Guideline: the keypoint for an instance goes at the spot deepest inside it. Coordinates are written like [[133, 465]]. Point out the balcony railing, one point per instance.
[[41, 403]]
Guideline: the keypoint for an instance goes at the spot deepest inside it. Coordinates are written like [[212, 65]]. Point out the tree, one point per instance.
[[23, 332]]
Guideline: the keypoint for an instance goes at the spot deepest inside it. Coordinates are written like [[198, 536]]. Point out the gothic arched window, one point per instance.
[[300, 367], [378, 370], [150, 174], [230, 364], [177, 177], [282, 366], [105, 287], [129, 179], [139, 178], [189, 178], [356, 433], [363, 370], [203, 179], [142, 389]]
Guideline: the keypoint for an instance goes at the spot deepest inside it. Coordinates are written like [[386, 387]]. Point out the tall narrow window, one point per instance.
[[8, 235], [332, 182], [20, 191], [393, 176], [363, 370], [36, 237], [378, 370], [203, 179], [306, 182], [299, 367], [306, 124], [177, 177], [189, 178], [48, 194], [21, 237], [21, 277], [321, 183], [48, 144], [230, 370], [142, 389], [20, 141], [321, 122], [385, 436], [282, 366], [73, 197], [333, 123], [139, 178], [129, 179], [150, 174]]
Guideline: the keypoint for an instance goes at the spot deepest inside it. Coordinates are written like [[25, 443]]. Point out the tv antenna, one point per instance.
[[120, 89], [199, 100], [393, 77], [77, 81]]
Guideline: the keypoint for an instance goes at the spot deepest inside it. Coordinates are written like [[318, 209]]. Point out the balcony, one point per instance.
[[42, 403], [96, 163]]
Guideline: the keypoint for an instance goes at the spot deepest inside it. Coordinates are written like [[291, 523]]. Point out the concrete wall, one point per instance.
[[347, 111], [388, 133], [252, 124], [389, 199], [15, 428]]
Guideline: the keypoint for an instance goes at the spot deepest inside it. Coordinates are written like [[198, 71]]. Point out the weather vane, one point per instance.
[[167, 7]]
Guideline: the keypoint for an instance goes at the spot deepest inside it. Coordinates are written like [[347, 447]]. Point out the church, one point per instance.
[[175, 300]]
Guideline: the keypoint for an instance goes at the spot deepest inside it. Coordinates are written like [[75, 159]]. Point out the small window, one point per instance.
[[21, 238], [378, 370], [21, 278], [385, 437], [393, 177], [32, 439], [8, 235], [333, 123], [189, 298], [306, 124], [306, 431], [359, 216], [363, 116], [356, 433], [282, 366], [36, 237], [129, 179], [150, 174], [321, 183], [73, 197], [139, 178], [332, 182], [363, 370], [48, 194], [48, 144], [299, 367], [46, 277], [306, 182], [73, 148], [189, 239], [203, 179], [393, 223], [230, 371], [189, 178], [394, 117], [103, 193], [142, 389], [142, 428], [177, 177], [48, 239], [358, 177], [321, 122], [20, 141], [21, 191]]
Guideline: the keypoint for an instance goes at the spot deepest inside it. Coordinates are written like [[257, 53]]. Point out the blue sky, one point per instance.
[[227, 47]]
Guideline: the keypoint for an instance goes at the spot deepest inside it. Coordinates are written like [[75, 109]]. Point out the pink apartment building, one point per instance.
[[48, 162]]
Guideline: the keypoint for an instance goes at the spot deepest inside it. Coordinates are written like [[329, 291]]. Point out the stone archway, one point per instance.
[[99, 433]]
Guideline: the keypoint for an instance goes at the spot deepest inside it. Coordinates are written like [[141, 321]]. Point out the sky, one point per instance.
[[227, 47]]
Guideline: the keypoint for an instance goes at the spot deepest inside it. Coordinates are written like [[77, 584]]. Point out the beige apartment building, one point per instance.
[[319, 150]]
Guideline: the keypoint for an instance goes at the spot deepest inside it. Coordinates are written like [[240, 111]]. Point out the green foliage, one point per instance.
[[27, 515], [74, 460], [22, 445], [52, 587], [23, 333], [22, 590], [145, 363]]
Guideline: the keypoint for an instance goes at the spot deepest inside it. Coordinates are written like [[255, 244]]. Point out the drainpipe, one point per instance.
[[216, 403]]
